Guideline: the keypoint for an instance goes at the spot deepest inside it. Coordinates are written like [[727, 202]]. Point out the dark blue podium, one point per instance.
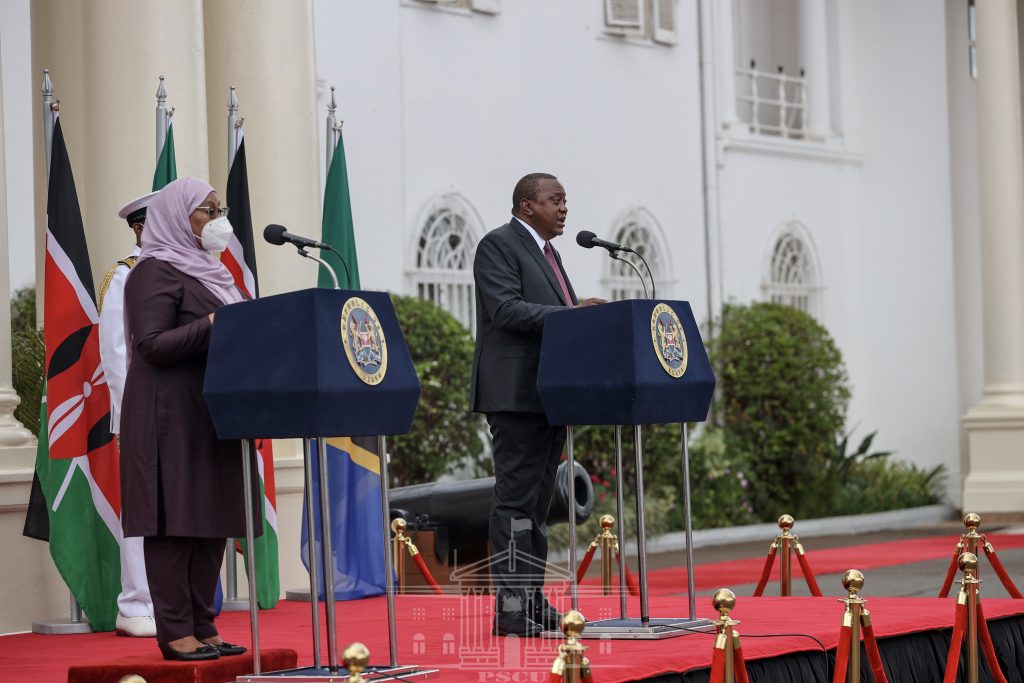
[[632, 363], [314, 363]]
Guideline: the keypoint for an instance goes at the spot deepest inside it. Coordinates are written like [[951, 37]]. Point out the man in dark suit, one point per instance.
[[519, 281]]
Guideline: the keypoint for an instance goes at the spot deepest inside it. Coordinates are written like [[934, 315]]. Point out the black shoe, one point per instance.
[[228, 649], [516, 624], [199, 654], [547, 616]]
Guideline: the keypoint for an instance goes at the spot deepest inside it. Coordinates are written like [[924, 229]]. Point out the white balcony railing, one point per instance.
[[772, 103]]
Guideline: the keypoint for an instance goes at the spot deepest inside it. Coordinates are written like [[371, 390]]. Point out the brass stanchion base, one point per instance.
[[634, 629], [323, 675]]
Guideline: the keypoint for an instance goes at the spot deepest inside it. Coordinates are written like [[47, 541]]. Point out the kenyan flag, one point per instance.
[[77, 459], [240, 259]]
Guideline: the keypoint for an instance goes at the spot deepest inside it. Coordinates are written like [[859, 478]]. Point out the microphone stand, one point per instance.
[[649, 273], [325, 264], [615, 256]]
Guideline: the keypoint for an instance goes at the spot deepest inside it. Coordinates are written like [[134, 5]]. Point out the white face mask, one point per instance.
[[216, 234]]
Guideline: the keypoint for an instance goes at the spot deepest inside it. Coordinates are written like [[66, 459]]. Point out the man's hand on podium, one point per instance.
[[593, 301]]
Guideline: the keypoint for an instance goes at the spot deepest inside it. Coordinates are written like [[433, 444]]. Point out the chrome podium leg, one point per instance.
[[691, 593], [571, 490], [314, 584], [389, 578], [619, 508], [328, 555], [250, 554], [641, 532]]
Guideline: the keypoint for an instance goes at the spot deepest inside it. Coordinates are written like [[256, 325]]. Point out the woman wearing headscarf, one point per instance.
[[181, 487]]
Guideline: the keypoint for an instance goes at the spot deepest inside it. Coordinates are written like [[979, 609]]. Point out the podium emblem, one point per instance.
[[669, 340], [364, 342]]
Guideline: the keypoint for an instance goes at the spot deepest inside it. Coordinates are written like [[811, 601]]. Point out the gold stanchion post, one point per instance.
[[724, 600], [972, 521], [398, 527], [571, 663], [608, 544], [853, 581], [968, 596], [785, 541], [355, 659]]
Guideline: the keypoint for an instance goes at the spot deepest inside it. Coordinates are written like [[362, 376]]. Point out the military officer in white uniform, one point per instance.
[[134, 605]]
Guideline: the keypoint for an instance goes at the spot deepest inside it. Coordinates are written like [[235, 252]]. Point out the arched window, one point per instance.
[[443, 259], [639, 230], [792, 276]]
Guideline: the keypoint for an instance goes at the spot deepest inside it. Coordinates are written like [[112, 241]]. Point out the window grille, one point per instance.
[[637, 230], [772, 103], [793, 276], [443, 265]]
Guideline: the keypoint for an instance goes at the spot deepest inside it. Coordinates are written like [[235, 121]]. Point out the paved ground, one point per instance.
[[913, 580]]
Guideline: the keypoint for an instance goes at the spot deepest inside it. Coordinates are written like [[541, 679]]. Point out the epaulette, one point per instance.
[[127, 263]]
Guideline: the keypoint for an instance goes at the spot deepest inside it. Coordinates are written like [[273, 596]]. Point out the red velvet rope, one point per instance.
[[842, 655], [718, 666], [554, 678], [766, 572], [587, 677], [632, 587], [426, 573], [953, 658], [740, 665], [585, 564], [990, 650], [947, 583], [874, 656], [805, 567], [997, 564]]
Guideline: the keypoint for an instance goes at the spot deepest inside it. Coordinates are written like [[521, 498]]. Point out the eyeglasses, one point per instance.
[[212, 211]]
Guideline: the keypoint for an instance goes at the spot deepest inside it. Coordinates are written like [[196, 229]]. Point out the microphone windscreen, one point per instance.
[[585, 239], [273, 233]]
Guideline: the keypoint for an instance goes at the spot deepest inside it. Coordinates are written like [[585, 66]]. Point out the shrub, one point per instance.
[[445, 434], [28, 358], [784, 393]]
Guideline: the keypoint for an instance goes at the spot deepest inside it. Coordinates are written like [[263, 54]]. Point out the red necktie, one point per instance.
[[549, 254]]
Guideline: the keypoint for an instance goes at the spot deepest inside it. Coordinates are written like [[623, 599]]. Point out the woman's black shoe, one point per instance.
[[199, 654], [228, 649]]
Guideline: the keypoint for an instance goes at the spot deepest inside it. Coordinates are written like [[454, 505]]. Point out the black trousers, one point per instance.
[[526, 454], [182, 574]]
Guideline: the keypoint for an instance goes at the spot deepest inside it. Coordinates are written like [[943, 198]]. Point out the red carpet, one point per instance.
[[452, 633], [217, 671], [712, 575]]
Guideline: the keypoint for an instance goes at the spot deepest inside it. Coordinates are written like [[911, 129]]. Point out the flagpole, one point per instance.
[[234, 127], [49, 117], [232, 603], [50, 109], [161, 117], [333, 129]]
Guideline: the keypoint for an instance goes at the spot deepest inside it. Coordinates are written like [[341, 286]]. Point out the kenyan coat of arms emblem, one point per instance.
[[363, 338], [669, 340]]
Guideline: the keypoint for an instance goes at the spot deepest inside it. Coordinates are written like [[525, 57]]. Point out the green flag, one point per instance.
[[166, 168], [337, 226]]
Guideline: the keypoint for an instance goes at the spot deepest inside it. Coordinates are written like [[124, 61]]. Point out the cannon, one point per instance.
[[462, 508]]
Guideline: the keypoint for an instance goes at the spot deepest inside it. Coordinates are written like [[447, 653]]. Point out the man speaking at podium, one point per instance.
[[519, 280]]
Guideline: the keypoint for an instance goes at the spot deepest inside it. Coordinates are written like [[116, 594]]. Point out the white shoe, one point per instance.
[[135, 627]]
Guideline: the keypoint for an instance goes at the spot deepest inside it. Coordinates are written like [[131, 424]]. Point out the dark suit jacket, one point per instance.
[[515, 290]]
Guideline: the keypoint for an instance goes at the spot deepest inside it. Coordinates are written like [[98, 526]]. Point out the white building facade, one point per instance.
[[818, 153]]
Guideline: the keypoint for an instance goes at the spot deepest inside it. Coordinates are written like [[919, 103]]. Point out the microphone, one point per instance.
[[589, 240], [278, 234]]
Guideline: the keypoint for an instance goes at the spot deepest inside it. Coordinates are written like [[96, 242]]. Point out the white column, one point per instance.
[[814, 60], [265, 49], [105, 58], [995, 479], [725, 55], [12, 433]]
